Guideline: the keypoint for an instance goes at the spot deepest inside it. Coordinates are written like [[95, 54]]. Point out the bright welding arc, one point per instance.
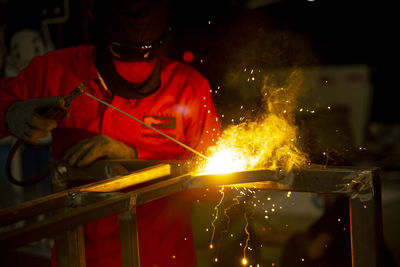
[[149, 126]]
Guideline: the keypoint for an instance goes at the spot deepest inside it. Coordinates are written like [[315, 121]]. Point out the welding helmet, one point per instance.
[[129, 36]]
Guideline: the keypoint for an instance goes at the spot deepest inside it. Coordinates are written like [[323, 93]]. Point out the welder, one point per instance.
[[124, 67]]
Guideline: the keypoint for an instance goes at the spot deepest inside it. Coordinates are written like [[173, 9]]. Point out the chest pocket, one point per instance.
[[153, 144], [165, 124]]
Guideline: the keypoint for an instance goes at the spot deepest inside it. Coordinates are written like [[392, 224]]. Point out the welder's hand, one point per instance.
[[23, 120], [100, 146]]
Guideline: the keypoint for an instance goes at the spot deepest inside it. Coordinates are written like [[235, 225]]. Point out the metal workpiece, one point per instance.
[[352, 181], [129, 236], [80, 205], [63, 221], [65, 198], [71, 247], [366, 222], [88, 197]]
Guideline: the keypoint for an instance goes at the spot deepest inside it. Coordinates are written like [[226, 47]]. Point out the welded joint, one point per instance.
[[284, 178], [74, 200], [61, 169], [83, 198], [132, 204], [361, 186]]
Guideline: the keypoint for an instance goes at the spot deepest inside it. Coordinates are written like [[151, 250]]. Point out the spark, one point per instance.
[[244, 260], [216, 217]]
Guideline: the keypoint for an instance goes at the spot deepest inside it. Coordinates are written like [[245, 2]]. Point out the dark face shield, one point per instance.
[[128, 31]]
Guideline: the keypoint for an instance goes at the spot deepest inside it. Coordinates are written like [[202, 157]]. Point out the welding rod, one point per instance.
[[149, 126]]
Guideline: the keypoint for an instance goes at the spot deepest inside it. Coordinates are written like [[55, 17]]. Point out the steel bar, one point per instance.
[[161, 189], [129, 236], [60, 199], [32, 208], [348, 181], [366, 227], [65, 221], [118, 183], [71, 248]]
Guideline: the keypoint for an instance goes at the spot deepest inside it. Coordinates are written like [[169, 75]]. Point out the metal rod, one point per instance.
[[58, 200], [151, 127]]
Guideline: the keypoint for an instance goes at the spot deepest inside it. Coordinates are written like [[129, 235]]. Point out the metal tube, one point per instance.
[[60, 199]]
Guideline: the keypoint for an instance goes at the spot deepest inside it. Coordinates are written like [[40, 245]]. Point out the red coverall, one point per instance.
[[182, 108]]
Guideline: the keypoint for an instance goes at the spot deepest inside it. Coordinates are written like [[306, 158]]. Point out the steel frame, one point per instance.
[[80, 205]]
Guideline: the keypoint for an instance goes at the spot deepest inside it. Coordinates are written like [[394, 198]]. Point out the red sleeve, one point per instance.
[[28, 84]]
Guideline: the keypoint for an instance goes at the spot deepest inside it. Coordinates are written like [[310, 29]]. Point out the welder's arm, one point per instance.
[[31, 83], [100, 146], [23, 119]]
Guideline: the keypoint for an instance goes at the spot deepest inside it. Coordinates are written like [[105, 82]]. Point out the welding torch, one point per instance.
[[54, 113]]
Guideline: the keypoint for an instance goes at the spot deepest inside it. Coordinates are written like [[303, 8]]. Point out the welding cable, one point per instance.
[[12, 179]]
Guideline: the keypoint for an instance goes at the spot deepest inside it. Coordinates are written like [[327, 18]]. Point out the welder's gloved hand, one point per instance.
[[23, 120], [100, 146]]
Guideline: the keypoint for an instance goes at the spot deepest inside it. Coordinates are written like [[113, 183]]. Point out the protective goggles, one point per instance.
[[132, 52]]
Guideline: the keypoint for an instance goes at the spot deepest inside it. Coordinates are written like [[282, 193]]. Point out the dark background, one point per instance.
[[335, 31]]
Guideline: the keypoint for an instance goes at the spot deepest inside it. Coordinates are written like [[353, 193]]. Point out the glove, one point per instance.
[[23, 120], [100, 146]]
